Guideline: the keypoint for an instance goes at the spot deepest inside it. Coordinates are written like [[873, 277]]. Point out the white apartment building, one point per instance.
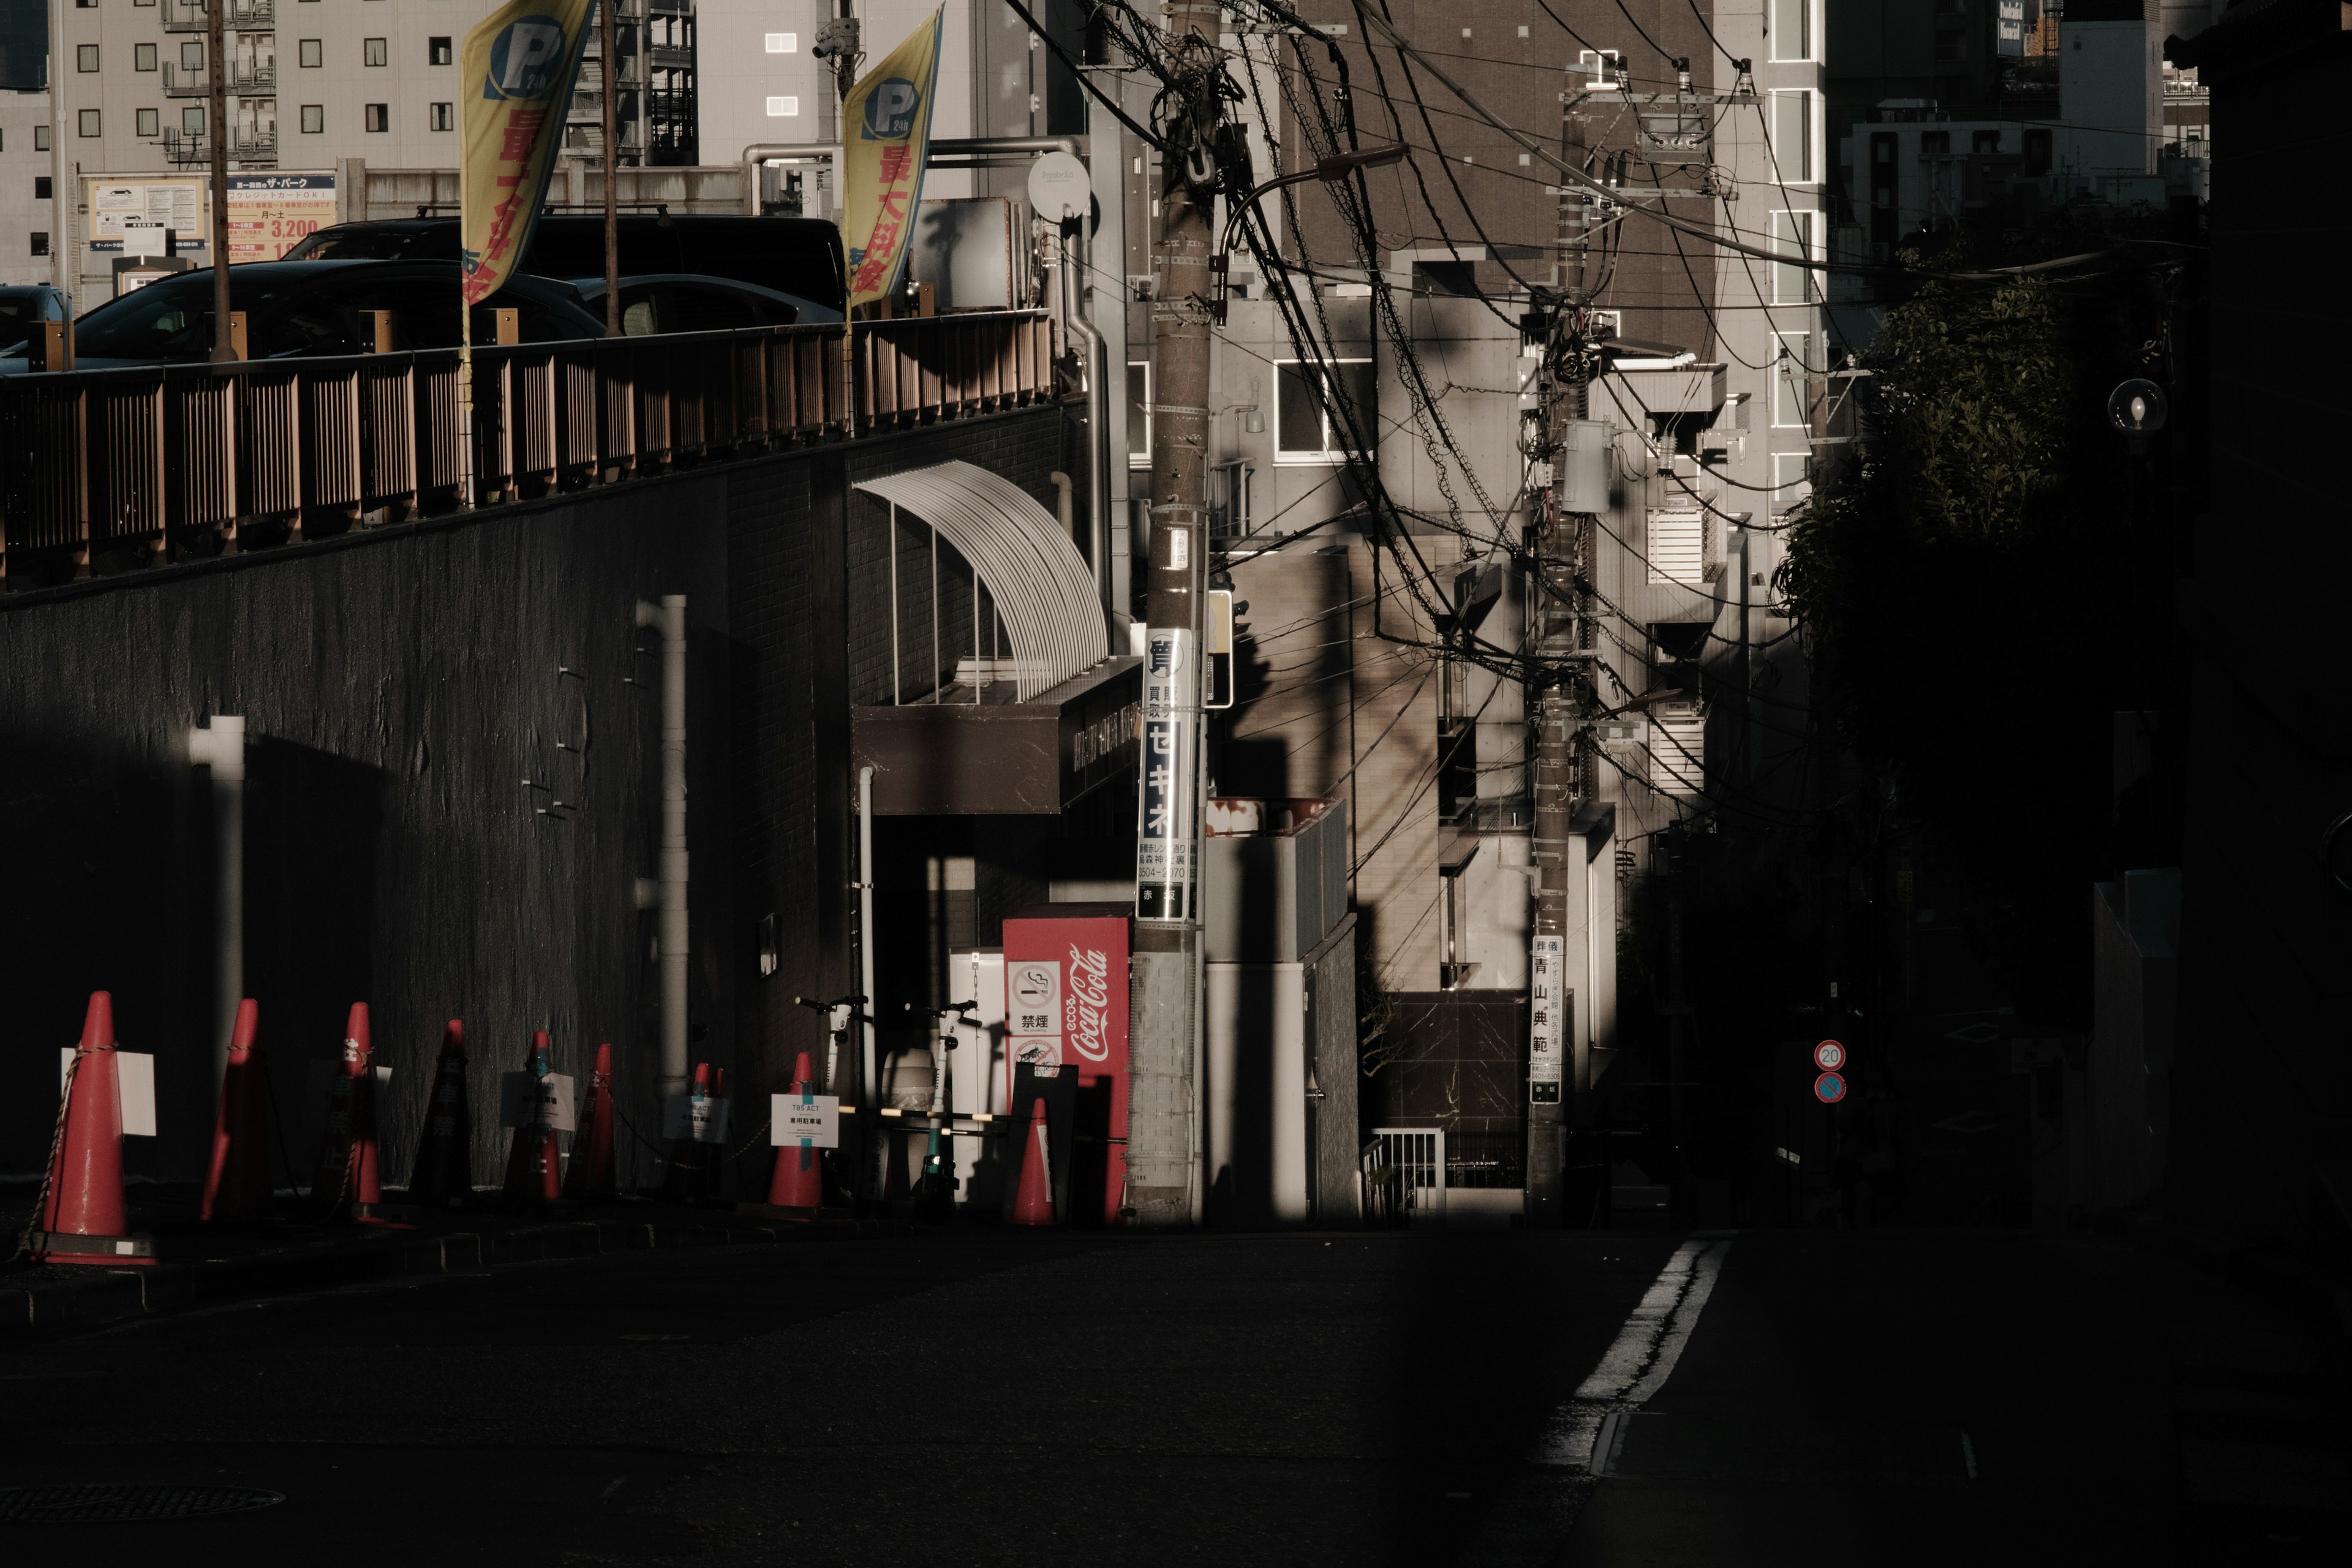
[[27, 229], [315, 86]]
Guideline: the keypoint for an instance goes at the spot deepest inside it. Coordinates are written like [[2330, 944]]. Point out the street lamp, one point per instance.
[[1330, 170]]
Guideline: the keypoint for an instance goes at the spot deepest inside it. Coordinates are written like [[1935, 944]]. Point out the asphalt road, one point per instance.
[[995, 1397]]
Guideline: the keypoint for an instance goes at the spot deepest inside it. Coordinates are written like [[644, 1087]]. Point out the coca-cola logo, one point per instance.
[[1089, 1003]]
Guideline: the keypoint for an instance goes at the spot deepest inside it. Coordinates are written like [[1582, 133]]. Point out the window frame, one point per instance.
[[779, 43], [192, 120], [1781, 359], [1300, 457], [148, 123], [1785, 496], [375, 119], [1806, 172], [309, 54], [375, 54], [1809, 250], [1139, 456], [440, 117], [86, 59], [791, 102], [144, 57], [312, 118], [40, 138], [1809, 30], [440, 52], [89, 123]]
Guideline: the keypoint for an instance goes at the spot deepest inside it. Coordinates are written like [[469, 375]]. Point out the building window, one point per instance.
[[40, 242], [314, 119], [377, 117], [783, 43], [1984, 141], [1793, 29], [1678, 749], [2037, 151], [1789, 399], [438, 52], [1792, 137], [312, 53], [441, 116], [40, 187], [1139, 414], [779, 108], [375, 52], [1604, 69], [1310, 424], [1792, 480], [142, 57], [1793, 235], [40, 138], [192, 122], [89, 126], [86, 58], [150, 124], [191, 57]]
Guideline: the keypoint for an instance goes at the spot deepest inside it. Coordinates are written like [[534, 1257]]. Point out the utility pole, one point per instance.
[[1161, 1158], [1559, 548], [612, 62], [216, 62]]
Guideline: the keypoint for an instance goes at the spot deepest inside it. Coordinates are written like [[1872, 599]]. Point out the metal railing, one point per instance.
[[190, 15], [187, 458]]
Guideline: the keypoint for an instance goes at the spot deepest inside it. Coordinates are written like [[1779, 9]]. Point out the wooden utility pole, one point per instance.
[[608, 38], [1161, 1156], [1558, 549], [217, 63]]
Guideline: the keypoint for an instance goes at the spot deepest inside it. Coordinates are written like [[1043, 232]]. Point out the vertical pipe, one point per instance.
[[222, 749], [669, 618], [866, 931]]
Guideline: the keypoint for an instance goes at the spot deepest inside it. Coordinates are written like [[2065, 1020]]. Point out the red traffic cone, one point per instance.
[[682, 1180], [443, 1171], [351, 1174], [83, 1216], [236, 1182], [534, 1165], [591, 1176], [799, 1179], [1033, 1203]]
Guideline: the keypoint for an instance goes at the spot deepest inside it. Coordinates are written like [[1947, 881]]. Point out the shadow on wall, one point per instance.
[[312, 821], [110, 888]]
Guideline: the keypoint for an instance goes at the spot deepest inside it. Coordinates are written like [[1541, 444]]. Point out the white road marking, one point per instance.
[[1638, 1362]]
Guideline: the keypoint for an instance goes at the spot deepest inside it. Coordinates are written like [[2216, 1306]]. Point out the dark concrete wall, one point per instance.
[[399, 686]]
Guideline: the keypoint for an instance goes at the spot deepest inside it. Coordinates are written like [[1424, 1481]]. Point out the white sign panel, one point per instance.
[[134, 1089], [175, 204], [704, 1120], [816, 1122], [526, 1099], [1547, 1009]]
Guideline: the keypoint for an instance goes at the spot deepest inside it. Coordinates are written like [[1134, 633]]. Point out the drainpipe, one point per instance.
[[866, 1059], [669, 617], [1069, 306], [221, 748]]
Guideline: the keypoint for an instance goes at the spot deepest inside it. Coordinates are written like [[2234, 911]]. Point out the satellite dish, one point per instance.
[[1059, 188]]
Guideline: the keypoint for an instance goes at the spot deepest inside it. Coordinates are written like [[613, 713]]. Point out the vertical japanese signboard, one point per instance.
[[1066, 997], [1548, 1019], [268, 215], [2009, 29], [1163, 844], [885, 138], [517, 71]]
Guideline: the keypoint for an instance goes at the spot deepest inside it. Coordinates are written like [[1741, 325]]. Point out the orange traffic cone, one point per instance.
[[1033, 1203], [443, 1171], [682, 1180], [236, 1182], [591, 1176], [799, 1179], [84, 1218], [351, 1174], [534, 1165]]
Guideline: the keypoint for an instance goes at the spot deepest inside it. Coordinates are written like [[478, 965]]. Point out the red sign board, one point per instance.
[[1066, 1006]]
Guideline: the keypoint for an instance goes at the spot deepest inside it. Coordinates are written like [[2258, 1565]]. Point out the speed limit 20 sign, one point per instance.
[[1829, 1056]]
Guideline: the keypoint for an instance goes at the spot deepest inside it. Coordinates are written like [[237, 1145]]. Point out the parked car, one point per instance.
[[689, 302], [22, 304], [309, 307], [795, 255]]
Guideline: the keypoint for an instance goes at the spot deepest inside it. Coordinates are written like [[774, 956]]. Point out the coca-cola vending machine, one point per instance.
[[1065, 1010]]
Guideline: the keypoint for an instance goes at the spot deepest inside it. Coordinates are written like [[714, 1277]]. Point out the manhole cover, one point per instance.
[[100, 1504]]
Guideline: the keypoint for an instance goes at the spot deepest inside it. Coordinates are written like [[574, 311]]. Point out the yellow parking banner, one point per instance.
[[516, 76], [885, 140]]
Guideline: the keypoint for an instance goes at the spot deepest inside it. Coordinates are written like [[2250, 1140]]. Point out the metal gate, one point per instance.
[[1404, 1175]]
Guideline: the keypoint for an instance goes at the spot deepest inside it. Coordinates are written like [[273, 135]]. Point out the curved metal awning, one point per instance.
[[1043, 591]]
